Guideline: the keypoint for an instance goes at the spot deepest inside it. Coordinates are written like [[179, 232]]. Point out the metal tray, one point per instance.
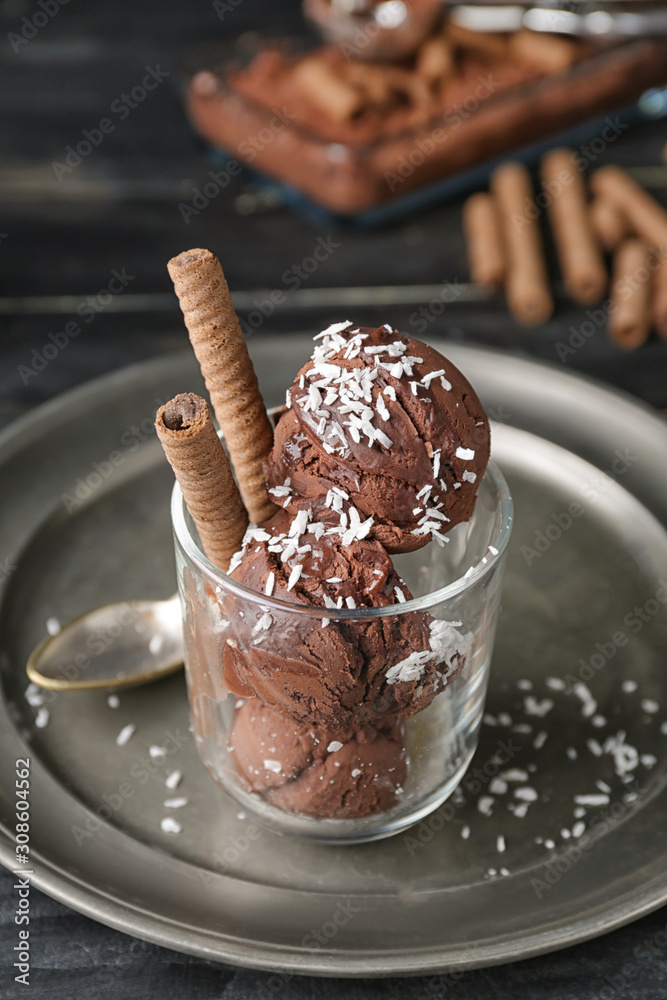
[[78, 528]]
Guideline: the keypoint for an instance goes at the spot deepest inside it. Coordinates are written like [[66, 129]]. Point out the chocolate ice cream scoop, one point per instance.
[[392, 424], [324, 672], [338, 775]]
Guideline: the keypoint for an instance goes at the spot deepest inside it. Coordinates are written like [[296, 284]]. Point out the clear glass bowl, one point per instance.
[[458, 584]]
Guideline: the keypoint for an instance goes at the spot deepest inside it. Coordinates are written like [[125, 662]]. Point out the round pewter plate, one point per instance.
[[84, 521]]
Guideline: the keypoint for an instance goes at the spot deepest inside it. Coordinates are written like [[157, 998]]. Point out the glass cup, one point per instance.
[[370, 783]]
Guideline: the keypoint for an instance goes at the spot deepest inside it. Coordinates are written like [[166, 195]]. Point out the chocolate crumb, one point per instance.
[[181, 412]]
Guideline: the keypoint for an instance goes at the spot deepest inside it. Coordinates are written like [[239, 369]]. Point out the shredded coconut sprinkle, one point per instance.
[[126, 734], [170, 825]]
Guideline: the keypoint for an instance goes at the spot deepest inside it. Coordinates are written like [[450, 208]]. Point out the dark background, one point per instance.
[[60, 241]]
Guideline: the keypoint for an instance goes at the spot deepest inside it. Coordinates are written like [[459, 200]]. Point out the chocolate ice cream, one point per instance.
[[392, 424], [324, 672], [381, 449], [342, 775]]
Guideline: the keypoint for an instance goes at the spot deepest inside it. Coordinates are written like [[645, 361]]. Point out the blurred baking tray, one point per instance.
[[596, 105], [78, 528], [651, 106]]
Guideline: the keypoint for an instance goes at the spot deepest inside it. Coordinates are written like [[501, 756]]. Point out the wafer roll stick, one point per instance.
[[550, 53], [660, 298], [486, 254], [608, 223], [630, 315], [193, 449], [435, 60], [526, 280], [580, 257], [489, 43], [371, 79], [230, 378], [326, 90], [405, 82], [646, 217]]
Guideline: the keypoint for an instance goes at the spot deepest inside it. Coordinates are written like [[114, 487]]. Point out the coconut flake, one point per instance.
[[170, 825], [294, 575], [126, 734]]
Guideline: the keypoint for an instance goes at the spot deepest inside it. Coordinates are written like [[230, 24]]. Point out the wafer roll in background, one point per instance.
[[550, 53], [630, 318], [646, 217], [192, 446], [526, 280], [608, 223], [326, 90], [227, 369], [371, 79], [486, 254], [490, 43], [579, 254], [435, 59]]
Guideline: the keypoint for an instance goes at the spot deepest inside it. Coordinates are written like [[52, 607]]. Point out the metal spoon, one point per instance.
[[117, 645]]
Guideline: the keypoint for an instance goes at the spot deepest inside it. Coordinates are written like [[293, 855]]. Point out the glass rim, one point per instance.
[[480, 570]]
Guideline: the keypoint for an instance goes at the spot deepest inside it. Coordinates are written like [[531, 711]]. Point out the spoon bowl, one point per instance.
[[118, 645]]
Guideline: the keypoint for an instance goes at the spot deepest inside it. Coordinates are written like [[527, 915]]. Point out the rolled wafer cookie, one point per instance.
[[435, 59], [550, 53], [193, 449], [486, 253], [489, 43], [218, 343], [326, 90], [647, 218], [526, 280], [608, 223], [630, 316], [579, 254]]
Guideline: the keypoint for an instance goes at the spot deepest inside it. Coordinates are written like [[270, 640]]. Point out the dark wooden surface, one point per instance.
[[119, 209]]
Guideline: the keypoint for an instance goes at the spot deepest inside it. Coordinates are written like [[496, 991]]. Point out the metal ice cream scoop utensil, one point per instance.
[[117, 645]]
